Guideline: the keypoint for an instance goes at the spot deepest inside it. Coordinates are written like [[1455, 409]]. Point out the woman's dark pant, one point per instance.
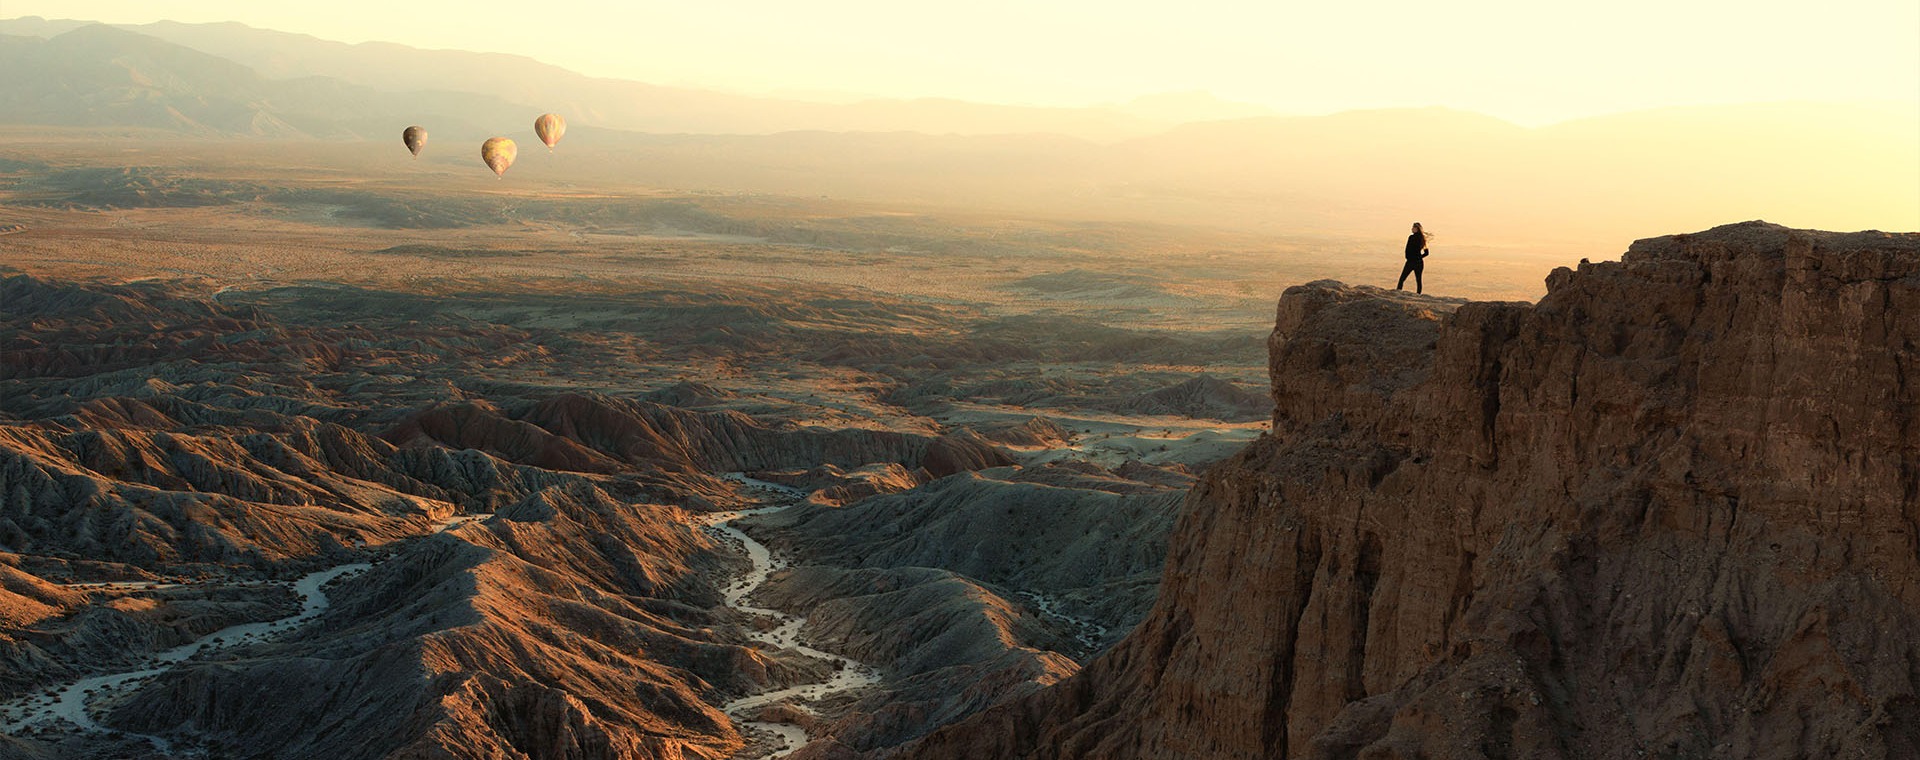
[[1415, 267]]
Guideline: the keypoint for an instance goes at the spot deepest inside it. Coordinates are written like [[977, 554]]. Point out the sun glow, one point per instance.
[[1527, 62]]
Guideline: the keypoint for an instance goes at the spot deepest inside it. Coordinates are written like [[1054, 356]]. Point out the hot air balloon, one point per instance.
[[415, 138], [498, 152], [550, 127]]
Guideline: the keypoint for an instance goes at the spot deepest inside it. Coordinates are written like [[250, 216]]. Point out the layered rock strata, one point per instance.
[[1669, 510]]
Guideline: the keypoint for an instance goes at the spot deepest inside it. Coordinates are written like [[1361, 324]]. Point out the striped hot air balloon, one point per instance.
[[550, 127]]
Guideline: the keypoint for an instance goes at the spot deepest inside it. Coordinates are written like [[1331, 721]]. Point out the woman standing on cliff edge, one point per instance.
[[1416, 260]]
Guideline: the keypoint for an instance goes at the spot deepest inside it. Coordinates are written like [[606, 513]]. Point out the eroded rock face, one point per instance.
[[1669, 510]]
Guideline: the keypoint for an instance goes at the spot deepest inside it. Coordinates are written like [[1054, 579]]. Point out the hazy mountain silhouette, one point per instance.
[[1197, 105], [611, 103], [97, 75]]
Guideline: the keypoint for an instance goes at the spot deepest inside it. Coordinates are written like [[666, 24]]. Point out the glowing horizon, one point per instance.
[[1527, 63]]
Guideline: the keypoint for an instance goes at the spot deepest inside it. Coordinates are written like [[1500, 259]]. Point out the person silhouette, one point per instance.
[[1416, 260]]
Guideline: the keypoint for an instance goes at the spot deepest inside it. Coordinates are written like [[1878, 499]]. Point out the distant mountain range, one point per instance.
[[100, 76], [301, 73]]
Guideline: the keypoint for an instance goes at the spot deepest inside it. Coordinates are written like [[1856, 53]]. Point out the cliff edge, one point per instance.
[[1669, 510]]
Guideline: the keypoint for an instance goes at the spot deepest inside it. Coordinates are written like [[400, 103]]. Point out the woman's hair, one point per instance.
[[1424, 235]]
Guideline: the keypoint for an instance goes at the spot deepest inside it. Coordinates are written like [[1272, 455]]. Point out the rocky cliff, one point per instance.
[[1668, 510]]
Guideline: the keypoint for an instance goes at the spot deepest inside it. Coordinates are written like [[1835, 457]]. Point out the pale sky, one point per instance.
[[1528, 61]]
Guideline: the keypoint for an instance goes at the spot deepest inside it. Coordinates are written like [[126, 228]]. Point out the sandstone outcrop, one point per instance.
[[1669, 510]]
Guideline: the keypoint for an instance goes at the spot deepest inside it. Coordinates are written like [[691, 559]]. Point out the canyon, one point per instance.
[[276, 489]]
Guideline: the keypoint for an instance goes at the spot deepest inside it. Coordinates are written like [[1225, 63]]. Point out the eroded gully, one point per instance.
[[784, 635], [69, 702]]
